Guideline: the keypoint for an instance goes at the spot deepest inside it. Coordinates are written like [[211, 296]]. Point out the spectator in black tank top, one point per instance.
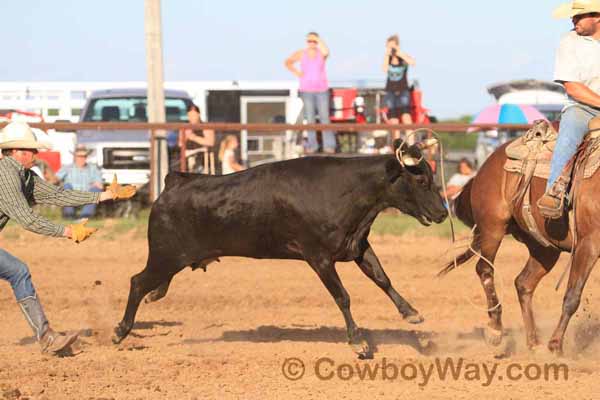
[[196, 140], [397, 94]]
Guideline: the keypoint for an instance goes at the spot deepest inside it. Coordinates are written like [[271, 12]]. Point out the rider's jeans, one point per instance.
[[573, 127]]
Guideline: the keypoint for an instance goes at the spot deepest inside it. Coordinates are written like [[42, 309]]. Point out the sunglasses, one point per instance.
[[311, 41]]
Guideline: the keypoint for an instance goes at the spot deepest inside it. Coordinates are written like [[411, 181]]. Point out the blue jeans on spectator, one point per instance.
[[318, 102], [87, 211], [573, 127], [397, 103], [17, 274]]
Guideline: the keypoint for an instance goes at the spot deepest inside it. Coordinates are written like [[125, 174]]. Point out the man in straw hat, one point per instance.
[[19, 188], [81, 175], [578, 69]]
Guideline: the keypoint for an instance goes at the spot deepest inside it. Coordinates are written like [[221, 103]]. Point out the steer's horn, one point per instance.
[[427, 143], [406, 159], [411, 161]]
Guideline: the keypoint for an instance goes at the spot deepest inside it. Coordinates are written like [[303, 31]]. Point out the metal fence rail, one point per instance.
[[159, 160], [226, 126]]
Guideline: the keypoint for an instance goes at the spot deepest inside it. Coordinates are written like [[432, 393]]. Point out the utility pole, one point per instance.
[[159, 163]]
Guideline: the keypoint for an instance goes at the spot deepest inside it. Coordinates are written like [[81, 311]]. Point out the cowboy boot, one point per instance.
[[551, 204], [51, 342]]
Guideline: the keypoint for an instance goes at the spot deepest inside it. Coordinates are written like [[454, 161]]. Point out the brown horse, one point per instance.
[[486, 201]]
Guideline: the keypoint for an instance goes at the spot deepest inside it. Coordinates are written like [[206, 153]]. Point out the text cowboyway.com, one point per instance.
[[422, 373]]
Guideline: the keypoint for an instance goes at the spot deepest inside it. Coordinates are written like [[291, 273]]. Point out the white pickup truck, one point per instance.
[[125, 152]]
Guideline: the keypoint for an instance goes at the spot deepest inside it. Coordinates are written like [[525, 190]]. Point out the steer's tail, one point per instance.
[[464, 211]]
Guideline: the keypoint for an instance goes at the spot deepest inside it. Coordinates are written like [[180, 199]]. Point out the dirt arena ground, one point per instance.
[[226, 333]]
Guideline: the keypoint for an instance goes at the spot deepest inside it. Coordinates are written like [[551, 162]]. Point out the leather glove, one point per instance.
[[121, 192], [80, 232]]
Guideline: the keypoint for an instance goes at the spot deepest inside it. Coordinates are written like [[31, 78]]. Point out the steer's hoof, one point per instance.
[[414, 318], [118, 335], [492, 336], [362, 349]]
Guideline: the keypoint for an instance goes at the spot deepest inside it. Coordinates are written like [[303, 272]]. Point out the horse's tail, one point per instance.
[[464, 212]]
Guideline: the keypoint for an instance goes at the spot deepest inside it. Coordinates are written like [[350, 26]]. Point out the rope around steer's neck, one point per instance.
[[450, 216]]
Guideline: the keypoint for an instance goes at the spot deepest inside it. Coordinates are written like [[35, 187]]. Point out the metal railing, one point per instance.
[[158, 134], [226, 126]]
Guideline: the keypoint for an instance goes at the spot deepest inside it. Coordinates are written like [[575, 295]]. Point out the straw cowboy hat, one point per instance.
[[81, 150], [576, 7], [18, 135]]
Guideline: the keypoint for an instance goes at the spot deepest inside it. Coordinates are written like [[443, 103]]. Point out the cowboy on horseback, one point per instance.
[[578, 69]]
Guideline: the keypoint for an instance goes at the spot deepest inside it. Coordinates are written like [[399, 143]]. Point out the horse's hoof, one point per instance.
[[414, 318], [555, 348], [537, 349], [493, 337], [362, 350]]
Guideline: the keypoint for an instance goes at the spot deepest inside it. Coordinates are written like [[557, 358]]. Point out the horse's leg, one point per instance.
[[325, 269], [541, 261], [490, 242], [370, 265], [149, 279], [584, 259]]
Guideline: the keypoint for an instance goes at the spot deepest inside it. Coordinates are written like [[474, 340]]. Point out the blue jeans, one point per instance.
[[87, 211], [397, 103], [319, 102], [17, 274], [573, 127]]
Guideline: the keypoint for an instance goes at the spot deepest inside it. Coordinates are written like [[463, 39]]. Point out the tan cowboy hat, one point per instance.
[[18, 135], [576, 7], [81, 150]]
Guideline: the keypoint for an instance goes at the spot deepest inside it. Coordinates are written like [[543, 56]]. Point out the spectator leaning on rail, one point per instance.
[[314, 88], [464, 173], [197, 140], [19, 189], [578, 69], [82, 176]]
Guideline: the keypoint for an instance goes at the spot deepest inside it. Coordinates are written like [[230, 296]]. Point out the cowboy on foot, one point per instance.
[[19, 188]]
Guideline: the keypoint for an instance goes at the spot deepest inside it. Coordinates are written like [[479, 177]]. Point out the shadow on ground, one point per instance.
[[420, 341]]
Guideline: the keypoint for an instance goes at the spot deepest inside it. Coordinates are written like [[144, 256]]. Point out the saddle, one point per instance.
[[530, 156]]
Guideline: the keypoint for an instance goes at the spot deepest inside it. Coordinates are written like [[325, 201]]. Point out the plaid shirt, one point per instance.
[[80, 178], [21, 188]]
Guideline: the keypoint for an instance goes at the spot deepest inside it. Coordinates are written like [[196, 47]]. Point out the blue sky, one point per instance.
[[461, 46]]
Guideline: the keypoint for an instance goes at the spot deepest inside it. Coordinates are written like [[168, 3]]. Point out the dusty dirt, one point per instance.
[[227, 332]]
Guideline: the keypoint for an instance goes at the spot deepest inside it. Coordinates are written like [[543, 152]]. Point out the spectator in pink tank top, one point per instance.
[[314, 88]]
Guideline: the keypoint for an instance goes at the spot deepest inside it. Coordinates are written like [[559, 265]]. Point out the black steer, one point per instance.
[[317, 209]]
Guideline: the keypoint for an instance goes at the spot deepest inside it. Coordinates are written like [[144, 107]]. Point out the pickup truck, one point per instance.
[[125, 152]]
